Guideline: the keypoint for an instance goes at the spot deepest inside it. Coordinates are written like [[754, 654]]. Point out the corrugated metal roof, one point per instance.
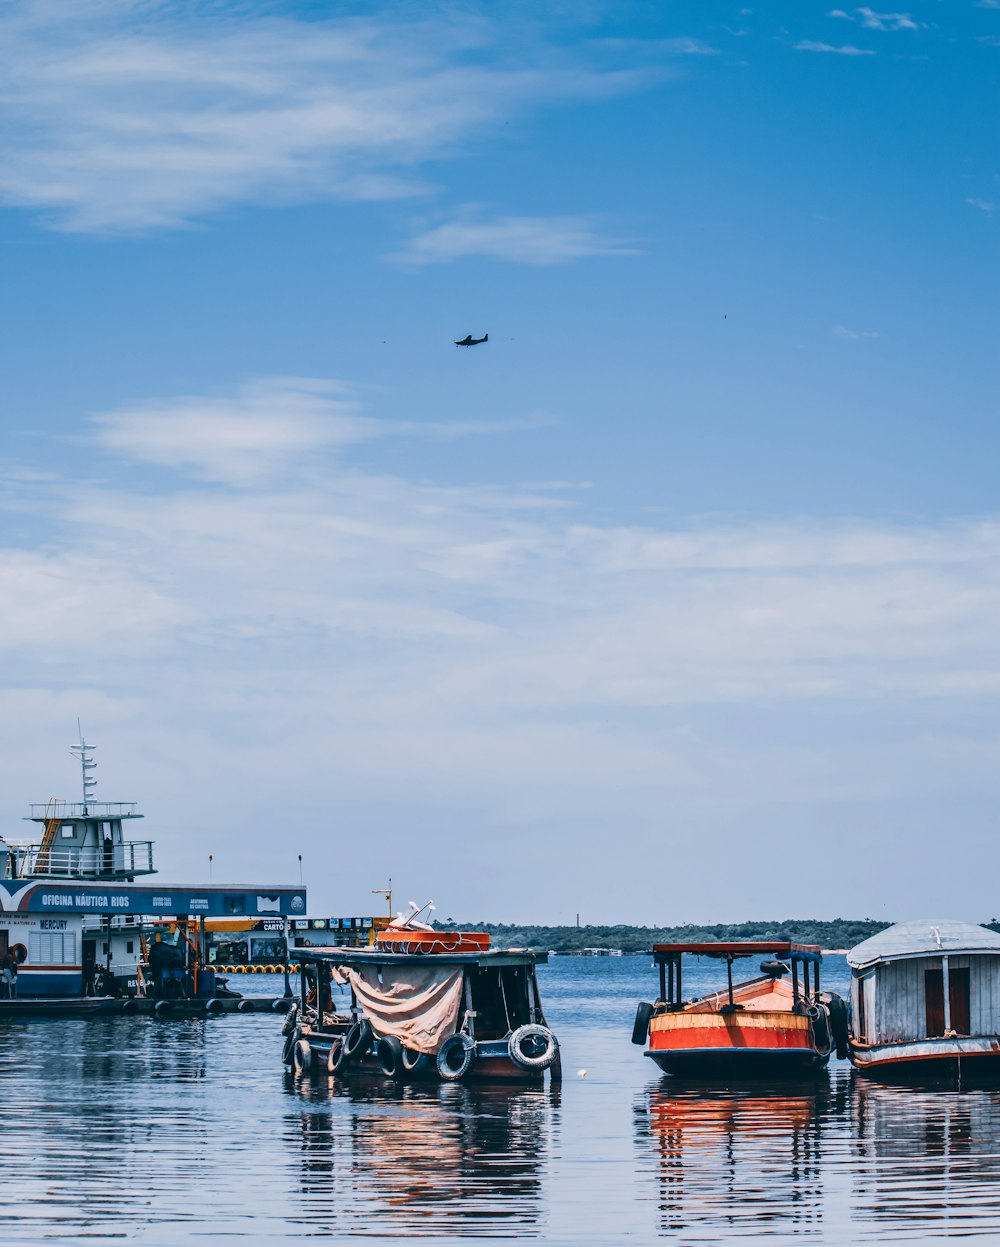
[[921, 937]]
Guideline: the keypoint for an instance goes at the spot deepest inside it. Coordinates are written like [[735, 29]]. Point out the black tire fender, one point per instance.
[[303, 1058], [454, 1060], [839, 1024], [643, 1016], [524, 1043], [291, 1020], [354, 1045], [163, 1008], [389, 1053], [415, 1062], [286, 1051]]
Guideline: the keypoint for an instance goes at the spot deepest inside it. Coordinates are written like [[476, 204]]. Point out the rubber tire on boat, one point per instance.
[[838, 1024], [389, 1053], [163, 1008], [354, 1045], [544, 1059], [331, 1057], [291, 1017], [643, 1015], [245, 1006], [128, 1006], [303, 1058], [280, 1005], [453, 1045], [286, 1051], [214, 1005], [820, 1020], [415, 1062]]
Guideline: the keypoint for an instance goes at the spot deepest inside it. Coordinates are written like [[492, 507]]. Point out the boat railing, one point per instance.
[[112, 861], [61, 810]]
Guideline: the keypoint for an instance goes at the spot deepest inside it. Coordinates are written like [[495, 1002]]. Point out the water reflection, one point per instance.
[[746, 1160], [926, 1160], [424, 1158]]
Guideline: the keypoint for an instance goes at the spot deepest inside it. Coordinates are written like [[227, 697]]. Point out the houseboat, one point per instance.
[[776, 1025], [925, 1000], [421, 1003], [86, 937]]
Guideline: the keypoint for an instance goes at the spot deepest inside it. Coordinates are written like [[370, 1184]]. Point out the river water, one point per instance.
[[174, 1132]]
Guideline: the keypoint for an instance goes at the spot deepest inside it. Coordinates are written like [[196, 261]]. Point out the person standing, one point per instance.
[[8, 975]]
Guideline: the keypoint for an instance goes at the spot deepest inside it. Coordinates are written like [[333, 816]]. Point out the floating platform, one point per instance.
[[136, 1006]]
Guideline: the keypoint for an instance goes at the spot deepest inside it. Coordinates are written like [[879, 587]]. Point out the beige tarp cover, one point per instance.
[[417, 1004]]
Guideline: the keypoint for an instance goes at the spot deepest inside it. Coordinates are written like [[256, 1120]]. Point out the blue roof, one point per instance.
[[923, 937]]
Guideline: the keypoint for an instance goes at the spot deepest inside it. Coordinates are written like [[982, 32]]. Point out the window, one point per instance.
[[52, 948], [130, 947], [67, 831]]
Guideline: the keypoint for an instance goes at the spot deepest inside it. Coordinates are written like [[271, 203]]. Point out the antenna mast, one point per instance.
[[83, 751]]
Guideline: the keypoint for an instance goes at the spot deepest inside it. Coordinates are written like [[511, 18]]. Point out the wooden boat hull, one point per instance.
[[929, 1058], [747, 1044]]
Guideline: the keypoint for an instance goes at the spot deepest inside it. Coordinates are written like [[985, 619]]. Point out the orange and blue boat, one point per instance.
[[779, 1024]]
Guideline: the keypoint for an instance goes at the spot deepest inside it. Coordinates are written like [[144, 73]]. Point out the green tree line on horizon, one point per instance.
[[833, 933]]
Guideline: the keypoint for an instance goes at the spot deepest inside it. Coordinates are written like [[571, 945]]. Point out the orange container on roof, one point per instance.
[[413, 940]]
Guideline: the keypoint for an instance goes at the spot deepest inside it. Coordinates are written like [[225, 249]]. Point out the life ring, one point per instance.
[[291, 1018], [20, 953], [533, 1047], [303, 1061], [389, 1053], [415, 1062], [455, 1057], [643, 1015]]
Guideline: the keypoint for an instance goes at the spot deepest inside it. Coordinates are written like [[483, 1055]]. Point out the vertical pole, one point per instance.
[[946, 987], [670, 988], [663, 981], [816, 977], [680, 994], [729, 978], [795, 981], [288, 955]]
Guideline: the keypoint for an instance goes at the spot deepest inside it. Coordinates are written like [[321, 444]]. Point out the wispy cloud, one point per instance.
[[846, 49], [117, 116], [872, 20], [539, 241], [842, 331], [984, 205], [469, 650]]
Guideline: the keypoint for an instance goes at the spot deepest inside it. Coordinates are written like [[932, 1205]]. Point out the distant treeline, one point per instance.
[[838, 933]]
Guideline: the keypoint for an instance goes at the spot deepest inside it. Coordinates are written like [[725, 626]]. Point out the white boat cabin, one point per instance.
[[925, 979]]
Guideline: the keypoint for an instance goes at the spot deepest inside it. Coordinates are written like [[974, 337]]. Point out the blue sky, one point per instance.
[[690, 574]]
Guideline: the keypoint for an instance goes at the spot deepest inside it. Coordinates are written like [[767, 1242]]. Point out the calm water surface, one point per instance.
[[175, 1132]]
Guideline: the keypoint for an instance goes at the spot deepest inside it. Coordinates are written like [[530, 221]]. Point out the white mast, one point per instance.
[[83, 751]]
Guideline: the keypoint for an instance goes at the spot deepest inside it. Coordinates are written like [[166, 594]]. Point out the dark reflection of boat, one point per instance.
[[927, 1160], [428, 1158], [742, 1160]]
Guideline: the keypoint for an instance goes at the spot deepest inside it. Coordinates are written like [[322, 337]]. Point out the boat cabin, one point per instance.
[[923, 993]]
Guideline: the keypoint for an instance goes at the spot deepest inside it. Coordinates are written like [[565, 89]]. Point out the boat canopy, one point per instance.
[[923, 937], [740, 948], [382, 957]]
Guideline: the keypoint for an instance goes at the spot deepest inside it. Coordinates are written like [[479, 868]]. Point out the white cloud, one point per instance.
[[117, 116], [871, 20], [983, 205], [410, 658], [847, 49], [539, 241], [842, 331]]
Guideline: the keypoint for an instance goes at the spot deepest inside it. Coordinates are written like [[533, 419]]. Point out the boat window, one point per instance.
[[67, 831]]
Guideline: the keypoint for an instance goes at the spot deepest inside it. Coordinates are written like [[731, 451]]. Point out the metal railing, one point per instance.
[[76, 809], [119, 861]]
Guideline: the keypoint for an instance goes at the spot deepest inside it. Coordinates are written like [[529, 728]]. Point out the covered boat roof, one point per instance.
[[921, 938], [740, 948], [386, 957]]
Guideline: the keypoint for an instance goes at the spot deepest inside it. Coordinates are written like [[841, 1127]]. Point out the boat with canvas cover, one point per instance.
[[778, 1025], [424, 1003]]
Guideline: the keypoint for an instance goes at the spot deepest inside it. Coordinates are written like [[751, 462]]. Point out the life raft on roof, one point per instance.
[[412, 940]]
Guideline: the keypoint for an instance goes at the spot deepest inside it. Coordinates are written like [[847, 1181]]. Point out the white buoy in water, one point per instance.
[[581, 1073]]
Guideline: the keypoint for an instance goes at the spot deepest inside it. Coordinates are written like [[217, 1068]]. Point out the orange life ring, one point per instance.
[[20, 954]]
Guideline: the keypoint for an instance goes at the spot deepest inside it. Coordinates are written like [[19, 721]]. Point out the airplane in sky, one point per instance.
[[469, 340]]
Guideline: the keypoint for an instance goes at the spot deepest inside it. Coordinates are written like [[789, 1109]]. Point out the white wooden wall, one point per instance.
[[900, 1008]]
